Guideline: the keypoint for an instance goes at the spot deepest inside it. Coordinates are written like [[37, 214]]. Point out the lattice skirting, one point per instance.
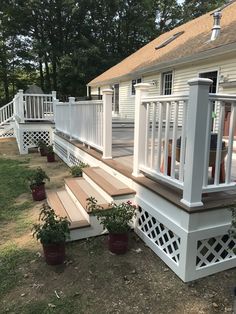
[[9, 133], [31, 138], [214, 250], [163, 237], [69, 157]]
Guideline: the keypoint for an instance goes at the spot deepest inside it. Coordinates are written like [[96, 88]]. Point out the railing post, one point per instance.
[[15, 107], [71, 102], [107, 123], [195, 145], [54, 103], [21, 106], [141, 91]]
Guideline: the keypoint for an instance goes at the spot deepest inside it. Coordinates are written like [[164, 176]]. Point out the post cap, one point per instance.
[[71, 99], [200, 81], [142, 86], [107, 91], [20, 90]]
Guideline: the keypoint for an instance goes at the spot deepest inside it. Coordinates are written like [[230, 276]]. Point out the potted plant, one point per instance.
[[50, 154], [52, 232], [37, 178], [116, 220], [76, 171], [42, 147]]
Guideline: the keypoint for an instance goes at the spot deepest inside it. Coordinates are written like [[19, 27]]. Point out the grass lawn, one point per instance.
[[92, 281]]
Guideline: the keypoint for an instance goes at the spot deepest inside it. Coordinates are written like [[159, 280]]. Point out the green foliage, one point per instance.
[[37, 177], [52, 228], [49, 150], [116, 219], [76, 171], [41, 144], [232, 230]]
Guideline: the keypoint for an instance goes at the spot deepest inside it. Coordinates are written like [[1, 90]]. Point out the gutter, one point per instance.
[[204, 55]]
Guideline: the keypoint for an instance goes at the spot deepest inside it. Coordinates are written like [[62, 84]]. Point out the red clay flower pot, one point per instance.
[[118, 242], [38, 192], [54, 253], [51, 157], [43, 151]]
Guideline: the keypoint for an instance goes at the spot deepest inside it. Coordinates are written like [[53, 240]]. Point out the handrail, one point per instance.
[[165, 98], [6, 112]]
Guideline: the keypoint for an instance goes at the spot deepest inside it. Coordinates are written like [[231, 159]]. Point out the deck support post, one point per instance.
[[196, 135], [71, 102], [20, 109], [141, 90], [107, 123]]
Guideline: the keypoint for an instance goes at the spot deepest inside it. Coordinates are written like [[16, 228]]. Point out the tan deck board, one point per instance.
[[108, 183], [55, 203]]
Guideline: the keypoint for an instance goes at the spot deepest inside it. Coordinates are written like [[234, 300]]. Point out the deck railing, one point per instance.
[[6, 113], [90, 122], [174, 136], [34, 107]]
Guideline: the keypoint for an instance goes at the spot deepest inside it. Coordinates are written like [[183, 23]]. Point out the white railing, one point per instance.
[[174, 138], [6, 113], [218, 152], [165, 126], [90, 122]]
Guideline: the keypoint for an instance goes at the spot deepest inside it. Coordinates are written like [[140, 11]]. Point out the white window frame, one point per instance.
[[164, 75], [133, 82]]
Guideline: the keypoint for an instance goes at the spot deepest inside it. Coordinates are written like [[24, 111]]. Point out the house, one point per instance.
[[179, 174], [203, 47]]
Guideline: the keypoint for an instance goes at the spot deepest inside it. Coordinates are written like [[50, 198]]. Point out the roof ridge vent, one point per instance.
[[216, 27]]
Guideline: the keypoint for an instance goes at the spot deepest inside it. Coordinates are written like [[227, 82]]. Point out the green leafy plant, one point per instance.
[[76, 171], [116, 219], [52, 228], [49, 149], [232, 230], [37, 177], [41, 144]]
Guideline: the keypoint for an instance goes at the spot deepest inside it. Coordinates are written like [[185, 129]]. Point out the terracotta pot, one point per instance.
[[54, 253], [38, 192], [118, 242], [51, 157], [43, 151]]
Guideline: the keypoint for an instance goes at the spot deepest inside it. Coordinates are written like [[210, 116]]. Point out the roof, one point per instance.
[[194, 40]]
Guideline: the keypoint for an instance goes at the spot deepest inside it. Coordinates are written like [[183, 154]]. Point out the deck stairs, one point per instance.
[[7, 129], [71, 201]]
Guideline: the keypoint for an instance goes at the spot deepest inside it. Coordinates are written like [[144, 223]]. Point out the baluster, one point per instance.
[[146, 161], [231, 142], [175, 132], [166, 143], [207, 144], [159, 135], [153, 133]]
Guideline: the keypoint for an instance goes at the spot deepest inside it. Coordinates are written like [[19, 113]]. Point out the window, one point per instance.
[[169, 40], [212, 76], [167, 83], [133, 83]]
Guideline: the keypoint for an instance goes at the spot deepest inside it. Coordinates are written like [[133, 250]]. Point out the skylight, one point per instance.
[[169, 40]]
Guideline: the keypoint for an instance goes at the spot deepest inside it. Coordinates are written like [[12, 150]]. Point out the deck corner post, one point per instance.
[[141, 90], [71, 102], [21, 106], [107, 123], [195, 145], [54, 94]]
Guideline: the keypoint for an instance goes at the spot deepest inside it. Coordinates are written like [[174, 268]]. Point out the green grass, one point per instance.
[[12, 184], [11, 258]]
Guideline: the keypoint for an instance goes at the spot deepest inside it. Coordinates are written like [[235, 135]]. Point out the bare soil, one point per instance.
[[94, 281]]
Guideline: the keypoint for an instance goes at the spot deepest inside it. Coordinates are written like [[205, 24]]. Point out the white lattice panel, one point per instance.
[[60, 150], [73, 160], [9, 133], [31, 138], [163, 237], [214, 250]]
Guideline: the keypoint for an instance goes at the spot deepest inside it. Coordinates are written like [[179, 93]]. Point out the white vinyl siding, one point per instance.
[[226, 68]]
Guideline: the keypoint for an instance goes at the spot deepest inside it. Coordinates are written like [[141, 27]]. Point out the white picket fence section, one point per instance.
[[6, 113], [38, 107], [89, 122], [173, 136]]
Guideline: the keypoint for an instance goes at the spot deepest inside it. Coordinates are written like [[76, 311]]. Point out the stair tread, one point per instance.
[[83, 189], [110, 184], [56, 203]]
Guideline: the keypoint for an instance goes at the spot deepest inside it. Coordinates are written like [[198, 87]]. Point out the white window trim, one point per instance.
[[133, 95], [162, 82]]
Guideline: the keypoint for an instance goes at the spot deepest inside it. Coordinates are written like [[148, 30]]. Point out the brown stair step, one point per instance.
[[63, 206], [107, 182], [82, 190]]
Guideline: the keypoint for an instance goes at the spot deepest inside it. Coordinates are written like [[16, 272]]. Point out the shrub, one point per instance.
[[76, 171]]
